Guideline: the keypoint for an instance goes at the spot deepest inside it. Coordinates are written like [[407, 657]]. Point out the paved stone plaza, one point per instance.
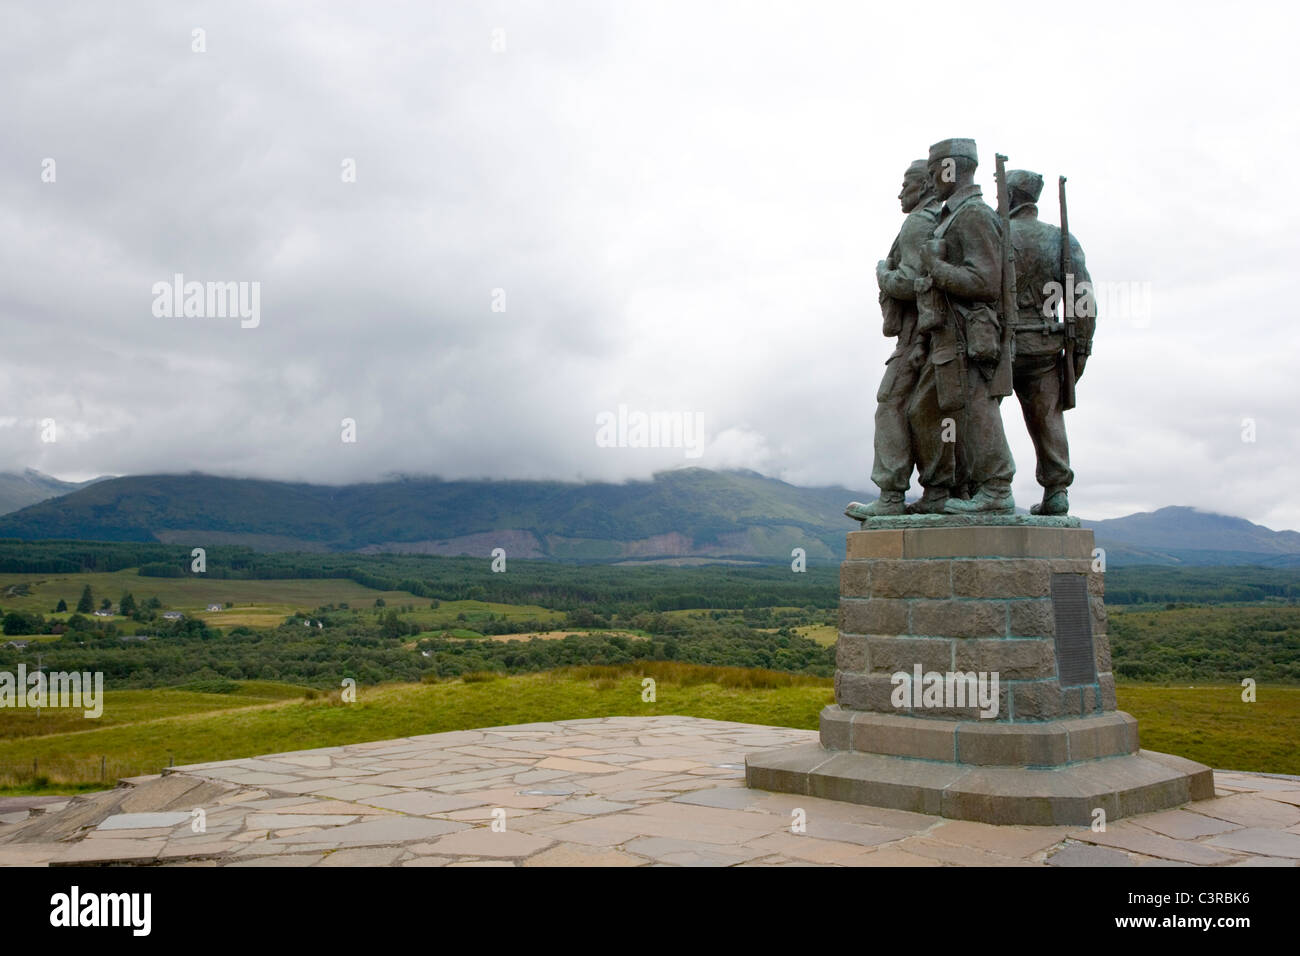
[[615, 791]]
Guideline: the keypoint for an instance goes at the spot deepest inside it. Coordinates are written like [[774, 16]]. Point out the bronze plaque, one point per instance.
[[1076, 663]]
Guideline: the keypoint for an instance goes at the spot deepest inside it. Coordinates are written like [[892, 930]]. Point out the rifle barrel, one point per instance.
[[1067, 304]]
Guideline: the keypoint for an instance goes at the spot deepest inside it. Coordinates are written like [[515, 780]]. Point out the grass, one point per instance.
[[447, 613], [252, 615], [1211, 724], [134, 707], [270, 600], [144, 731], [824, 634], [460, 632], [72, 760], [528, 636]]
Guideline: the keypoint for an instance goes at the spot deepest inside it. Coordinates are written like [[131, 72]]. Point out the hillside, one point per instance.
[[684, 515], [678, 514], [20, 489], [1186, 536]]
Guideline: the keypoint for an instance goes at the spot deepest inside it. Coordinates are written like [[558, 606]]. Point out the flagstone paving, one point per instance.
[[614, 791]]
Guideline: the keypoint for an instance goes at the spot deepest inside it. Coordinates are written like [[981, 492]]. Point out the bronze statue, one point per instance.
[[897, 447], [963, 282], [974, 308], [1050, 353], [958, 366]]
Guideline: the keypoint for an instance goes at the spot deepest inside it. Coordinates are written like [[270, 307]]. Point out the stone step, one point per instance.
[[1120, 786]]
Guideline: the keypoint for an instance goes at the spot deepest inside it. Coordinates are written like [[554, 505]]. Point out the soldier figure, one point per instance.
[[961, 384], [896, 448], [1040, 366]]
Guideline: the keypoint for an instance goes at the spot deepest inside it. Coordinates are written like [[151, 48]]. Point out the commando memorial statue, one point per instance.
[[972, 296], [973, 672]]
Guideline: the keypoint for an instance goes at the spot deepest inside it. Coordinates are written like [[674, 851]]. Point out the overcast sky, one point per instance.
[[683, 202]]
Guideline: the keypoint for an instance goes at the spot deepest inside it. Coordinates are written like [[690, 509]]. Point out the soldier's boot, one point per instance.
[[889, 503], [983, 501], [931, 502], [1055, 502]]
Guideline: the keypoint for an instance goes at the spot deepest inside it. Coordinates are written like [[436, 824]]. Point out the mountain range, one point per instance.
[[18, 489], [683, 516]]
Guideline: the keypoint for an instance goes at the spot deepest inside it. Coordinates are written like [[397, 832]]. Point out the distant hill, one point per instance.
[[20, 489], [680, 516], [1179, 535]]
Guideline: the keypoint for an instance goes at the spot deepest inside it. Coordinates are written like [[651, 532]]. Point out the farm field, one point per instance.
[[448, 613], [192, 594], [258, 604], [824, 634], [531, 635]]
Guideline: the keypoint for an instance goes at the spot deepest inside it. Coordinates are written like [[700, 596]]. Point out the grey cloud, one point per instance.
[[683, 202]]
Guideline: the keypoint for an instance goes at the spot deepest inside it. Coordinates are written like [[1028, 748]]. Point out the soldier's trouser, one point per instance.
[[936, 459], [986, 450], [1037, 381], [895, 449]]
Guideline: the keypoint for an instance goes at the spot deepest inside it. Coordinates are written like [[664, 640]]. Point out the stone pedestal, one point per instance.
[[973, 681]]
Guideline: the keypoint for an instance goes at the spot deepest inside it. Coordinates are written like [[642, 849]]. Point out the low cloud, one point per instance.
[[683, 206]]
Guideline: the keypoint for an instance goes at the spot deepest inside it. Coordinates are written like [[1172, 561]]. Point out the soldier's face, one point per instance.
[[944, 186], [914, 186]]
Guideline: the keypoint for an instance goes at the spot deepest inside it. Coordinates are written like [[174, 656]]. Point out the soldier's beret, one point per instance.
[[954, 147], [1026, 183], [919, 167]]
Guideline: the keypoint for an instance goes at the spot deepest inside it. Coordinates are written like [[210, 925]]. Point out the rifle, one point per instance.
[[1002, 381], [1067, 304]]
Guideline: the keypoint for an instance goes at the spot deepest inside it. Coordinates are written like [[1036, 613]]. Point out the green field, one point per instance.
[[73, 760], [255, 603], [135, 707], [447, 614], [1213, 725], [142, 732], [192, 594], [827, 635]]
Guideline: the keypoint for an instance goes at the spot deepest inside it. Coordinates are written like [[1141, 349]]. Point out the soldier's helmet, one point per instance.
[[1023, 186]]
